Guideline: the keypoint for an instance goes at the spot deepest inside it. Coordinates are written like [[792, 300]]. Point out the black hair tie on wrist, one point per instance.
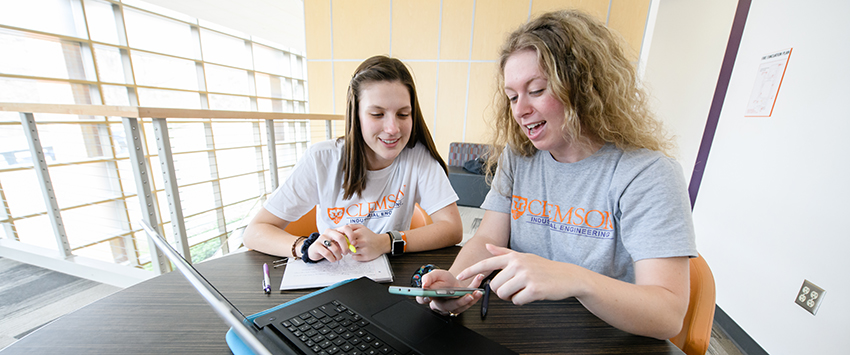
[[305, 256], [416, 279]]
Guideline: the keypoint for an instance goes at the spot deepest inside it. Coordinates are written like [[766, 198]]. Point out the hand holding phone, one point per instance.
[[435, 292]]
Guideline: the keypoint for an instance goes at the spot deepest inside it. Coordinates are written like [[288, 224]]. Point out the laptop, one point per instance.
[[355, 317]]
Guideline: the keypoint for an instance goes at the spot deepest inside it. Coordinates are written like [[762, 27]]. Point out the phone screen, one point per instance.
[[436, 292]]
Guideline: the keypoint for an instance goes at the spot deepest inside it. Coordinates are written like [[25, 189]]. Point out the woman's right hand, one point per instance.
[[448, 305], [335, 248]]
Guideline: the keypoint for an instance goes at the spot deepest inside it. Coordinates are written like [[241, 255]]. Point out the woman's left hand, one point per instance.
[[368, 244], [524, 278]]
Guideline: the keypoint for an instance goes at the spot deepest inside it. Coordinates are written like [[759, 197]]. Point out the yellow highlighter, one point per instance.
[[350, 247]]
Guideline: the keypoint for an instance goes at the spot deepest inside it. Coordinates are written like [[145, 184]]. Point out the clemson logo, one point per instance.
[[518, 206], [335, 214]]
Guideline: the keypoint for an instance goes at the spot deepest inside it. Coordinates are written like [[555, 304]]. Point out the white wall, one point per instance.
[[770, 209]]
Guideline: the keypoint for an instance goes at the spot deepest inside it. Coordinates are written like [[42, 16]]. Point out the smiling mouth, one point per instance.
[[534, 126], [391, 141]]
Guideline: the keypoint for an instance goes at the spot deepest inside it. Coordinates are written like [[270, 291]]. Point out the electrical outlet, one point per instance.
[[810, 297]]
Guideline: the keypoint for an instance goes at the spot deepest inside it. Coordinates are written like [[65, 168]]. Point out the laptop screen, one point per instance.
[[222, 306]]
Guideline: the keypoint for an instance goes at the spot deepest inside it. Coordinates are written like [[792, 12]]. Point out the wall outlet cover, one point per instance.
[[810, 297]]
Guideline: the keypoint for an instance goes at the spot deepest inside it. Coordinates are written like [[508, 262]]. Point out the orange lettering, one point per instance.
[[578, 214], [587, 218]]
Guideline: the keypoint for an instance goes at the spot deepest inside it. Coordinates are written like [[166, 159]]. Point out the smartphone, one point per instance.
[[435, 292]]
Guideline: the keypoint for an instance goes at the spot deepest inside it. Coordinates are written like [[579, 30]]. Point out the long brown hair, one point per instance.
[[588, 71], [354, 165]]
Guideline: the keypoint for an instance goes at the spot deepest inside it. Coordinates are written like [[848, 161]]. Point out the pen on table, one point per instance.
[[485, 301], [267, 287]]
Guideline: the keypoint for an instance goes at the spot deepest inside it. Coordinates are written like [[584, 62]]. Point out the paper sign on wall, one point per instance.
[[768, 81]]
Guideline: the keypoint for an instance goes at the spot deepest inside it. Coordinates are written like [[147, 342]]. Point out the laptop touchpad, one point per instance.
[[409, 322]]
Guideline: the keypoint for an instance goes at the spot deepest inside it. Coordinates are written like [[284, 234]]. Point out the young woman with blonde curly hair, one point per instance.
[[585, 202]]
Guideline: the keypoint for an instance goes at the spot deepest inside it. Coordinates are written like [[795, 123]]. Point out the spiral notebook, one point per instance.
[[299, 274]]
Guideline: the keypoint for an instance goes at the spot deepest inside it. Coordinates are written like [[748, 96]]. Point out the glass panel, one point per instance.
[[116, 95], [299, 90], [14, 149], [236, 161], [95, 223], [197, 198], [159, 34], [162, 71], [110, 65], [233, 134], [227, 80], [229, 102], [224, 49], [80, 184], [23, 194], [22, 51], [55, 16], [186, 137], [286, 88], [168, 98], [101, 21], [191, 168], [36, 231], [239, 188], [270, 60], [286, 155], [71, 143], [206, 249], [297, 67]]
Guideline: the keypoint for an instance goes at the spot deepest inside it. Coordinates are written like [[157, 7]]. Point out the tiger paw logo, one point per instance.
[[335, 214], [518, 206]]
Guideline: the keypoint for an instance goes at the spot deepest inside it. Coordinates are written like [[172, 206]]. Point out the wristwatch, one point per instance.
[[398, 242]]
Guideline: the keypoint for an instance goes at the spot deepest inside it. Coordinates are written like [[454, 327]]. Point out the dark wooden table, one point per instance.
[[165, 315]]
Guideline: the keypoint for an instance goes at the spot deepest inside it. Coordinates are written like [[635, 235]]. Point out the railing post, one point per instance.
[[221, 223], [169, 177], [271, 145], [143, 190], [6, 217], [40, 166]]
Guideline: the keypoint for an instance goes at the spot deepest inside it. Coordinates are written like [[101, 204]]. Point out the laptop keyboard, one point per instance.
[[334, 329]]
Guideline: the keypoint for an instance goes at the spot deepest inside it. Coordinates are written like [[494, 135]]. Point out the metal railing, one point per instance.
[[135, 122]]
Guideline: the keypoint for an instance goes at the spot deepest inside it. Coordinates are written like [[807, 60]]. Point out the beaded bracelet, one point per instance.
[[416, 280], [304, 255], [296, 243]]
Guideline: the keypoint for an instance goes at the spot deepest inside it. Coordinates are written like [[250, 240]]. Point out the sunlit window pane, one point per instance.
[[62, 17], [229, 102], [116, 95], [197, 198], [168, 98], [162, 71], [110, 65], [271, 60], [186, 137], [25, 198], [239, 188], [35, 91], [227, 80], [234, 134], [236, 161], [159, 34], [95, 223], [36, 231], [101, 21], [224, 49], [33, 56], [192, 168]]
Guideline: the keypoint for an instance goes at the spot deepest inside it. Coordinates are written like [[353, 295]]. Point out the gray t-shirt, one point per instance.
[[602, 213]]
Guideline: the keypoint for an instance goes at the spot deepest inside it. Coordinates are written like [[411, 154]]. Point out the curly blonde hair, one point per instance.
[[587, 70]]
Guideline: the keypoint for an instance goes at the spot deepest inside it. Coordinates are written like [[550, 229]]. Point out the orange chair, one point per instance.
[[696, 329], [307, 223]]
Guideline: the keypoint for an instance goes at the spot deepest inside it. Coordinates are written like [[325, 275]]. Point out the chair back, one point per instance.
[[307, 223], [696, 329]]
